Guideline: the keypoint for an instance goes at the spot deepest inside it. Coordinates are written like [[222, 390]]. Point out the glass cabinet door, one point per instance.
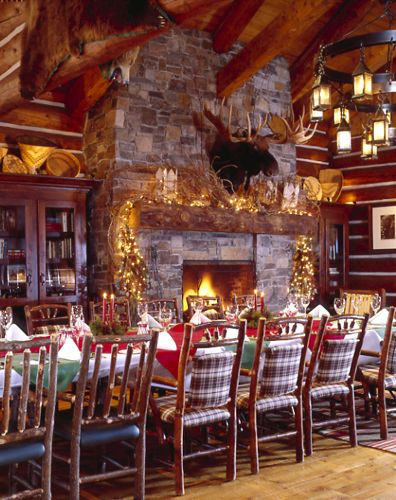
[[58, 250], [335, 258], [17, 251]]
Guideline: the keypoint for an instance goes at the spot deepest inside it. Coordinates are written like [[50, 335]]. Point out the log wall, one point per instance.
[[368, 183]]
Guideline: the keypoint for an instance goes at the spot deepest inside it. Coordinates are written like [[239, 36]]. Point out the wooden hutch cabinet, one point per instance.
[[43, 244], [334, 251]]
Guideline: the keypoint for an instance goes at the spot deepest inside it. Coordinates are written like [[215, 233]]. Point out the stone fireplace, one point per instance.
[[149, 124]]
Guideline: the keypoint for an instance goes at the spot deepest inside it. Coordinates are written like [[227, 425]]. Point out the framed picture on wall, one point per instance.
[[383, 228]]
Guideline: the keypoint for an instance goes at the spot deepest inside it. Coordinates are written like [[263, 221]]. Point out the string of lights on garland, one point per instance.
[[131, 272], [303, 280]]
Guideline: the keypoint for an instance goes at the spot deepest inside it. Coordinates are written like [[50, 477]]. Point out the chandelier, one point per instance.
[[363, 91]]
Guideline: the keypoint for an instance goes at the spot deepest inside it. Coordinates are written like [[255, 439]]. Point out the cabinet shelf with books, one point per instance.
[[42, 239]]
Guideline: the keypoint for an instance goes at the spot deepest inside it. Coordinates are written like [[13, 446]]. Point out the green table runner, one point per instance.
[[67, 370]]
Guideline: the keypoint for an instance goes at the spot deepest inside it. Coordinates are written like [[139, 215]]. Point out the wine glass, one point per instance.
[[376, 303], [165, 316], [77, 318], [5, 320], [142, 309], [339, 305], [198, 306], [305, 300]]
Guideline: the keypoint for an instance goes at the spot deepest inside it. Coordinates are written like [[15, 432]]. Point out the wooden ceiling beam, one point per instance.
[[196, 8], [270, 42], [232, 25], [96, 53], [10, 52], [348, 16], [85, 91]]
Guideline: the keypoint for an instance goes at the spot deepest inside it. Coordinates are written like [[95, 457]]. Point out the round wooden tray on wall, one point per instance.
[[331, 181], [63, 164]]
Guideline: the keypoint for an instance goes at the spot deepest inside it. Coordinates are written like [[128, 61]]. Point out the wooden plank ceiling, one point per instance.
[[293, 29]]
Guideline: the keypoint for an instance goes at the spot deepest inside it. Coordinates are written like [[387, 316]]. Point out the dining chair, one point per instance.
[[154, 307], [380, 379], [210, 306], [45, 319], [275, 385], [331, 374], [209, 402], [101, 418], [27, 405], [122, 311], [363, 298]]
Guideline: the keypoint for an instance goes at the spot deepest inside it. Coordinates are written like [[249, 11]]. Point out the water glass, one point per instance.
[[376, 303], [339, 305], [77, 317], [231, 313]]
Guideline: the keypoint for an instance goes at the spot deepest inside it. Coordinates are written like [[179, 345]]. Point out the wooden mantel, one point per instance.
[[183, 218]]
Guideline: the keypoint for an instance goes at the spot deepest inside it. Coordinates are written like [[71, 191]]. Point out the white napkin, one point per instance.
[[232, 334], [198, 318], [15, 333], [150, 321], [69, 350], [85, 328], [319, 311], [380, 318], [165, 341], [371, 342]]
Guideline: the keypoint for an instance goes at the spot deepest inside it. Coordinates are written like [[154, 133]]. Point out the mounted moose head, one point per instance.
[[239, 156]]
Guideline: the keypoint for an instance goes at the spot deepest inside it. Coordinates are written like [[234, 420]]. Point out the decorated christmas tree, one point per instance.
[[132, 271], [303, 280]]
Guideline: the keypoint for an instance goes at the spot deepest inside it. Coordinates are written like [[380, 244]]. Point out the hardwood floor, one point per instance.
[[335, 471]]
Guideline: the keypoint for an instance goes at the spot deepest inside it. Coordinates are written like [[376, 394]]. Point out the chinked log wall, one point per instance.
[[46, 118], [368, 183]]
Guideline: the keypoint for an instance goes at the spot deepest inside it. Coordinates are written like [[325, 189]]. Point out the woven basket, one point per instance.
[[63, 164], [331, 181], [34, 150]]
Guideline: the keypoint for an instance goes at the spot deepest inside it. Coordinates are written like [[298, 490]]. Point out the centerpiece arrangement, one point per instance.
[[109, 323]]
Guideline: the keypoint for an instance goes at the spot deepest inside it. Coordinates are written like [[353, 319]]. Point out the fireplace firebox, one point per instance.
[[223, 278]]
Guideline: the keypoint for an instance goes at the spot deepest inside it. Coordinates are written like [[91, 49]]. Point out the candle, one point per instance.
[[262, 302], [255, 299], [111, 307], [104, 307]]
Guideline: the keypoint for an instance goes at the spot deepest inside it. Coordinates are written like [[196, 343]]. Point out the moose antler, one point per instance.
[[296, 133], [226, 132]]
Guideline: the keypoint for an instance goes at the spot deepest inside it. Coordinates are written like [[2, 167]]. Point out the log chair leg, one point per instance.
[[140, 461], [253, 442], [367, 397], [383, 418], [352, 418], [232, 444], [178, 452], [299, 432], [308, 425], [74, 492]]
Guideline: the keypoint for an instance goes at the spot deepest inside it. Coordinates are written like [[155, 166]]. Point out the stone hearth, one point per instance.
[[149, 124]]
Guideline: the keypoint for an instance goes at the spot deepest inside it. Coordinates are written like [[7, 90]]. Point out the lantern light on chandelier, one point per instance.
[[367, 92]]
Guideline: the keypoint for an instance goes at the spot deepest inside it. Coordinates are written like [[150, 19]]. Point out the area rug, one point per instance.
[[368, 431]]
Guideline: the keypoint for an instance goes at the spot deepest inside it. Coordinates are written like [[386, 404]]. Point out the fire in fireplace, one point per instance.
[[223, 278]]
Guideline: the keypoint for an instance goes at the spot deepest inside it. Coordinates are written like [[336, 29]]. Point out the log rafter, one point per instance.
[[233, 24], [281, 32]]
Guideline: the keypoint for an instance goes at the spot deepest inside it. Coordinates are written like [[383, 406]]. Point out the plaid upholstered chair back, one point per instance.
[[215, 370], [211, 380], [281, 369], [336, 360], [388, 352], [337, 348]]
